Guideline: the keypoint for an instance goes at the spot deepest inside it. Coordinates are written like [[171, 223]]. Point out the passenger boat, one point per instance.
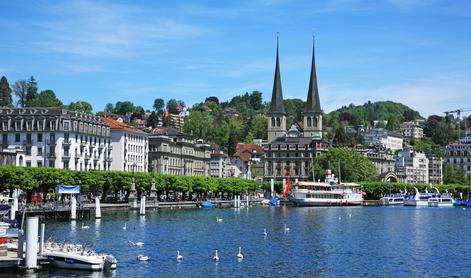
[[392, 199], [75, 256], [428, 199], [328, 193]]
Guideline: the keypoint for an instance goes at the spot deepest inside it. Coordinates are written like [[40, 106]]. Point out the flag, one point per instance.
[[286, 188]]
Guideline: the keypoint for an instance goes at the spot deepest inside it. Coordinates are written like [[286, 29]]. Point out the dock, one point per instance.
[[10, 260]]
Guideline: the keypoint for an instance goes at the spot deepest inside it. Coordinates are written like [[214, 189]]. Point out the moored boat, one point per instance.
[[392, 199]]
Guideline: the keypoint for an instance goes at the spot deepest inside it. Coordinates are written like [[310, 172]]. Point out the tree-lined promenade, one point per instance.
[[44, 180]]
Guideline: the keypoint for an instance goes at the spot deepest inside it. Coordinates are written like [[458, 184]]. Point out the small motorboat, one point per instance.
[[392, 199], [207, 205], [75, 256]]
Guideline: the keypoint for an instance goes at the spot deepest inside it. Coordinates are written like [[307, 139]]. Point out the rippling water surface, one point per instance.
[[322, 242]]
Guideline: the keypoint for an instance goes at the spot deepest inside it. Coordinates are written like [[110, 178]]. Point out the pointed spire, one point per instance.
[[313, 104], [277, 105]]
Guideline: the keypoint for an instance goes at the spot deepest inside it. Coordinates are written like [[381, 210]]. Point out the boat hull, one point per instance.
[[77, 265], [312, 202]]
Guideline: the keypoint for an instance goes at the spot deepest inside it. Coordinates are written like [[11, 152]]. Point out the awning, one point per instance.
[[68, 189]]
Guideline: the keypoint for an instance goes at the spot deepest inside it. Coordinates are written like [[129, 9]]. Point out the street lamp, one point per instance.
[[133, 185]]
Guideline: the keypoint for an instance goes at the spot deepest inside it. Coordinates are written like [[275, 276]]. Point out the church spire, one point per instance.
[[313, 104], [277, 105]]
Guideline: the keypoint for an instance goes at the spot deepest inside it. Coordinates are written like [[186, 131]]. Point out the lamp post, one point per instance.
[[132, 193]]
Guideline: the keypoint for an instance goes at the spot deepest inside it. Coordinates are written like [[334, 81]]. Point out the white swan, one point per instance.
[[179, 257], [125, 226], [143, 258], [287, 229], [85, 227], [216, 257], [239, 255], [265, 232], [218, 219], [139, 244]]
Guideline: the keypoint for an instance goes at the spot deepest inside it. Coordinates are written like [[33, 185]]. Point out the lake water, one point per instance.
[[322, 242]]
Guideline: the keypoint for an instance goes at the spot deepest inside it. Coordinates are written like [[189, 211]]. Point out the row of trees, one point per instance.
[[27, 95], [45, 179]]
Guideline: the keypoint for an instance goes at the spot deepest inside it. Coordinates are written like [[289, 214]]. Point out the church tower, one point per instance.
[[276, 113], [312, 111]]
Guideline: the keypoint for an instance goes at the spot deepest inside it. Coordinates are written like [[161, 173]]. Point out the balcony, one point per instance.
[[28, 142], [66, 156], [51, 142], [101, 146], [108, 159], [67, 142]]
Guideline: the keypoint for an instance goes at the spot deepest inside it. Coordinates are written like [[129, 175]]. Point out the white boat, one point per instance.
[[328, 193], [74, 256], [428, 199], [392, 199]]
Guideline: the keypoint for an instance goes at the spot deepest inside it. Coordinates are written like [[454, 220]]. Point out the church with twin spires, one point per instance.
[[290, 152]]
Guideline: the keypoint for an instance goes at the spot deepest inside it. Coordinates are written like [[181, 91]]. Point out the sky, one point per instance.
[[417, 52]]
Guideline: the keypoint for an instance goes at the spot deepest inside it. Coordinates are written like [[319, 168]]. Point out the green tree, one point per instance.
[[20, 89], [172, 105], [46, 98], [199, 124], [5, 93], [32, 91], [249, 138], [159, 105], [109, 107], [354, 166], [259, 127], [124, 107], [443, 134], [153, 120], [81, 106], [455, 175]]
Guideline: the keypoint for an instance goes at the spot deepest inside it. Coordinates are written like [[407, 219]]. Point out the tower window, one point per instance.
[[309, 123], [272, 121], [314, 121], [278, 122]]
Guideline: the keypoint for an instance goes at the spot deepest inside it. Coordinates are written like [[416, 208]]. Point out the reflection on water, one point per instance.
[[347, 241]]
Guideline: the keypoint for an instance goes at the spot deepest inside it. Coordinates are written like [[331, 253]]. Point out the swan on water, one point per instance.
[[179, 257], [265, 232], [287, 229], [85, 227], [138, 244], [216, 257], [218, 219], [143, 258], [239, 255], [125, 226]]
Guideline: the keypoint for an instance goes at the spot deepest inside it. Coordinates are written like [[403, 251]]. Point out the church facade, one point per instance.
[[291, 152]]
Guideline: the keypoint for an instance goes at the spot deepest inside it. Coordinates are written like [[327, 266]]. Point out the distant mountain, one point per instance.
[[392, 112]]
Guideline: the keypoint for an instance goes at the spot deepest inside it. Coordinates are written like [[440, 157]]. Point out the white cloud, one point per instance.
[[90, 28]]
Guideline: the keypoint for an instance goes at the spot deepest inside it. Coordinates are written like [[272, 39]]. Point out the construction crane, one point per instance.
[[458, 115]]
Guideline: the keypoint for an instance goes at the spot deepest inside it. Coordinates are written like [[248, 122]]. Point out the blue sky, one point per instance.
[[415, 52]]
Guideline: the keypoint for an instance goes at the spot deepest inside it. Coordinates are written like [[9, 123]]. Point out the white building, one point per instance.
[[218, 164], [412, 130], [130, 147], [56, 137], [412, 167], [378, 137]]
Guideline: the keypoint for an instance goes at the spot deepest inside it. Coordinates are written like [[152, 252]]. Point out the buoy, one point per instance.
[[216, 257], [179, 257]]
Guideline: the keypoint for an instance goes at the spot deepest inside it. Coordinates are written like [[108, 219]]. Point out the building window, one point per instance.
[[52, 163], [28, 150], [40, 137], [40, 163], [40, 151], [309, 123], [28, 163], [66, 125], [17, 137]]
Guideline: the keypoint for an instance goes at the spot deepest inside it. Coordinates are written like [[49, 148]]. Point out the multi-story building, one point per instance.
[[289, 153], [218, 164], [379, 137], [382, 159], [412, 130], [459, 155], [176, 153], [130, 146], [435, 169], [412, 166], [56, 137]]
